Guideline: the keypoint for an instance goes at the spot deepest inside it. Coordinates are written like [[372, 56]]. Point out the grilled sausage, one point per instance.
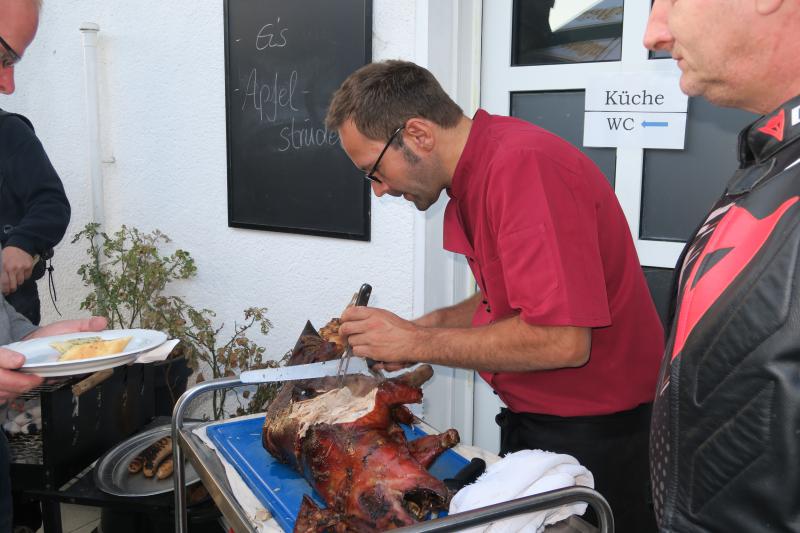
[[136, 465], [155, 455], [165, 468]]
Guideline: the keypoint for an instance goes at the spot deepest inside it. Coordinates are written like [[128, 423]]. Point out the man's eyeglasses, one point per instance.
[[9, 57], [370, 175]]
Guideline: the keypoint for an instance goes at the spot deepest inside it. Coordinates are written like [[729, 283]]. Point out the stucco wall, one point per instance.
[[162, 120]]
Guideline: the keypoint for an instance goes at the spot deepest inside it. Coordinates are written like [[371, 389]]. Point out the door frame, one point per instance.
[[448, 43]]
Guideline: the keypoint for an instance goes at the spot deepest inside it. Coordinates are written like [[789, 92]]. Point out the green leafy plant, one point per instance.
[[128, 275], [225, 355]]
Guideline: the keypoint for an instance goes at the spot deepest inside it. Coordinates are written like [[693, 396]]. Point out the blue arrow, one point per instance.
[[655, 124]]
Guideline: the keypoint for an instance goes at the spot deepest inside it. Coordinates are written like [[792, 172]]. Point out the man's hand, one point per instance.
[[17, 267], [95, 323], [12, 382], [381, 335]]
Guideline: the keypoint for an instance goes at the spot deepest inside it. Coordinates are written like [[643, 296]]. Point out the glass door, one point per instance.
[[537, 59]]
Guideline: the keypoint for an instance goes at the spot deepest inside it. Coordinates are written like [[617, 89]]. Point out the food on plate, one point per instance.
[[165, 469], [135, 466], [159, 453], [346, 441], [62, 346], [152, 460], [95, 349]]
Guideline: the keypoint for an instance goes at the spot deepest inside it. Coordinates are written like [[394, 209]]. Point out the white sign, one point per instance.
[[635, 110], [635, 130]]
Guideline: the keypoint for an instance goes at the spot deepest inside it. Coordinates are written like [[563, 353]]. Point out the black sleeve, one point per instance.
[[32, 190]]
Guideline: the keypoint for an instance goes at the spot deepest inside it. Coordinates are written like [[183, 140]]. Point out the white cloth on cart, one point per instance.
[[520, 474], [259, 517]]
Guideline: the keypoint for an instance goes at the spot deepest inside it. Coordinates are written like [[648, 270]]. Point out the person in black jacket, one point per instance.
[[34, 213], [725, 432], [34, 210]]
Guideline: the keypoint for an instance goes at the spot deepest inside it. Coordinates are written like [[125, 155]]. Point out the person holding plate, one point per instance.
[[15, 327], [18, 23]]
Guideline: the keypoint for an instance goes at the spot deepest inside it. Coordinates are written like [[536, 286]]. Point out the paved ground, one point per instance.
[[78, 518]]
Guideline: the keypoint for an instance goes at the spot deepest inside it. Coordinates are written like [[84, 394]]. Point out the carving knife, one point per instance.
[[346, 365], [309, 371]]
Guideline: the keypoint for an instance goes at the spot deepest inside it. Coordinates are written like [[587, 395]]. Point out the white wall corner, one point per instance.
[[448, 44]]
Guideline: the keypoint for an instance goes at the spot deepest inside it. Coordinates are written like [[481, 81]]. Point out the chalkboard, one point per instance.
[[283, 61]]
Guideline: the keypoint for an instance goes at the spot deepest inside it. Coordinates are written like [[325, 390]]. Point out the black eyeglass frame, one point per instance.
[[370, 175], [15, 57]]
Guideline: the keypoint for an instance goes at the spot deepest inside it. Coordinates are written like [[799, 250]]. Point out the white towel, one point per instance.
[[522, 474]]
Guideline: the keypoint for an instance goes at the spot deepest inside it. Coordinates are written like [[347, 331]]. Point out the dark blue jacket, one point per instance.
[[34, 210]]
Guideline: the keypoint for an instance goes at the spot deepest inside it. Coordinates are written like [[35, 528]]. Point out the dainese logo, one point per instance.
[[774, 126]]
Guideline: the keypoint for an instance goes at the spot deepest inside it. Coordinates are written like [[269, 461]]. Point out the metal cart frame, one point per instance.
[[212, 475]]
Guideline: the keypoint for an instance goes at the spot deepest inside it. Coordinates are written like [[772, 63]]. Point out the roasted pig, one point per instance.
[[347, 443]]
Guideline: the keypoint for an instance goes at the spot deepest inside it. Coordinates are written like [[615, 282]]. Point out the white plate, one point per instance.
[[42, 359]]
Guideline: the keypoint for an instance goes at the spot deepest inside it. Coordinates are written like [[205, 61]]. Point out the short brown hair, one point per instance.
[[380, 97]]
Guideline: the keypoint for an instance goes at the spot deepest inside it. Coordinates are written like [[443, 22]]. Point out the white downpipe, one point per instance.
[[89, 32], [468, 75]]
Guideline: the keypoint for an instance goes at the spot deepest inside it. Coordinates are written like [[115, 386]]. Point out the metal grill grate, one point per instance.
[[26, 449], [46, 387]]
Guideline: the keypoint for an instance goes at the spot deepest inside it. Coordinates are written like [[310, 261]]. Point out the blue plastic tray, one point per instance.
[[277, 486]]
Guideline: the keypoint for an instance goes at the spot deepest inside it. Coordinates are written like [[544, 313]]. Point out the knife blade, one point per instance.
[[309, 371]]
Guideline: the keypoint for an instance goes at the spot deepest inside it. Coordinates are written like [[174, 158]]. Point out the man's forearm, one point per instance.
[[510, 345], [455, 316]]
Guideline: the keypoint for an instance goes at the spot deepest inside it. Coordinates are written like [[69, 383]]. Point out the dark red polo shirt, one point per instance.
[[546, 239]]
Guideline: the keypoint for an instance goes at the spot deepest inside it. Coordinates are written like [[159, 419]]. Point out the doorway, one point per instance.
[[536, 59]]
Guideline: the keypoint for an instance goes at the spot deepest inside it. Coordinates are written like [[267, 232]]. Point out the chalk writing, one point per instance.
[[296, 137], [268, 98], [266, 36], [275, 99]]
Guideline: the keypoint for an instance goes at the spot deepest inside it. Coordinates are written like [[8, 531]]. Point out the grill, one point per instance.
[[77, 430]]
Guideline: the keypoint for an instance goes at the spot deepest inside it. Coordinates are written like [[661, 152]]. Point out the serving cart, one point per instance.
[[212, 474]]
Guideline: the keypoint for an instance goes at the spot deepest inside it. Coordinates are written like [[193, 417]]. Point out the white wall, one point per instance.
[[162, 120]]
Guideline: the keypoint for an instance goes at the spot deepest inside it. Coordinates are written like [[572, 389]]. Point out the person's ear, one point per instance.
[[420, 133], [767, 7]]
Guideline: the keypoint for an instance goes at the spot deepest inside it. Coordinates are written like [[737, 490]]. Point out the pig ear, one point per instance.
[[767, 7]]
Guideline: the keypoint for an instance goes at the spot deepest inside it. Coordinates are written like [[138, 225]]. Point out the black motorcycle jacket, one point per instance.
[[725, 434]]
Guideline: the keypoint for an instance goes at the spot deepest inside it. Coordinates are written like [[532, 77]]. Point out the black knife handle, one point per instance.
[[466, 475], [363, 297], [363, 294]]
